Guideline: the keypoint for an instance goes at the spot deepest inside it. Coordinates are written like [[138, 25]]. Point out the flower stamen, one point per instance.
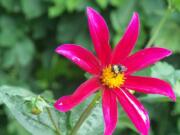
[[111, 78]]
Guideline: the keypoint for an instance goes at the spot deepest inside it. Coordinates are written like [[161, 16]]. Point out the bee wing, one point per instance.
[[124, 68]]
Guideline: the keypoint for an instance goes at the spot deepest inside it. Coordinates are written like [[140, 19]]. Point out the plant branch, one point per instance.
[[86, 113], [53, 122]]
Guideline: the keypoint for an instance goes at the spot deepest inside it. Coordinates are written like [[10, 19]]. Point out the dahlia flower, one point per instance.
[[112, 73]]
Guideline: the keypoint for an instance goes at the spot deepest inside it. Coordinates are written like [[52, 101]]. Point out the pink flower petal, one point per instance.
[[109, 105], [144, 58], [80, 56], [128, 41], [134, 110], [66, 103], [149, 85], [100, 34]]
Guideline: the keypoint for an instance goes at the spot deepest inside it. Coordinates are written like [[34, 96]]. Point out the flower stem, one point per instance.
[[86, 113], [160, 25], [53, 122]]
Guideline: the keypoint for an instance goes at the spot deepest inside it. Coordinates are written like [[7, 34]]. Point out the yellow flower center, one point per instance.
[[112, 77]]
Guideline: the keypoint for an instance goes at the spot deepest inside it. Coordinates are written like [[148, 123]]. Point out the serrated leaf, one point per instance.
[[14, 99]]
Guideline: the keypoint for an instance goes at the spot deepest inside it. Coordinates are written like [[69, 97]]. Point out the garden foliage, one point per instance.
[[33, 76]]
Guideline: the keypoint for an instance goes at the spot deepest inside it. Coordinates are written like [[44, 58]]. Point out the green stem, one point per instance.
[[160, 25], [53, 122], [86, 113]]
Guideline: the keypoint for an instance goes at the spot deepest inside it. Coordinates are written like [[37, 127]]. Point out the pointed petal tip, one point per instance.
[[136, 14], [90, 10], [128, 40], [172, 96], [136, 19], [58, 105], [57, 50], [167, 52], [60, 48]]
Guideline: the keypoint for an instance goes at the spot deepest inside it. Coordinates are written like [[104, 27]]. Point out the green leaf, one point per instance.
[[72, 4], [176, 4], [10, 35], [176, 110], [68, 27], [153, 6], [36, 105], [11, 5], [102, 3], [157, 98], [15, 128], [93, 122], [177, 88], [14, 99], [179, 124], [21, 53], [124, 122], [121, 16], [57, 8], [32, 8], [164, 71], [169, 37], [167, 72], [116, 3]]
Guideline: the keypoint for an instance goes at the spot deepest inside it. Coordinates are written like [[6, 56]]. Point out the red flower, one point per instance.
[[112, 73]]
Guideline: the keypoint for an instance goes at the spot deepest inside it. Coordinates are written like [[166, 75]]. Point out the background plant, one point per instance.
[[30, 30]]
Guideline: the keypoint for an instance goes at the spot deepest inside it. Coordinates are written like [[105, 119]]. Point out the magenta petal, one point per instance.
[[134, 110], [110, 111], [99, 34], [149, 85], [128, 41], [81, 56], [144, 58], [66, 103]]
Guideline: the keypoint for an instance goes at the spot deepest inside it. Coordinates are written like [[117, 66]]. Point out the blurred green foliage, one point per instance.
[[30, 30]]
